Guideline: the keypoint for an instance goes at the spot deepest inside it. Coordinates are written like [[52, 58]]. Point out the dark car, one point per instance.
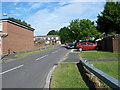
[[86, 46], [70, 45]]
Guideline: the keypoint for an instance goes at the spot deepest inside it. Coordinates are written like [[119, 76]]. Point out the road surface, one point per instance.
[[31, 71]]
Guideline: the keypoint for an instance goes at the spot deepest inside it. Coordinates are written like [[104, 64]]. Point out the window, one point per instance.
[[83, 44], [52, 37], [0, 26], [41, 38], [89, 43], [57, 38], [44, 38], [47, 42], [48, 38], [0, 41]]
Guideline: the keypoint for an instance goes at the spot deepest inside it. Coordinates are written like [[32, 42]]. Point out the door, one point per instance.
[[84, 46]]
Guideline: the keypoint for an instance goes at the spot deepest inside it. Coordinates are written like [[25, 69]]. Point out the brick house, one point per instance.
[[49, 39], [19, 37]]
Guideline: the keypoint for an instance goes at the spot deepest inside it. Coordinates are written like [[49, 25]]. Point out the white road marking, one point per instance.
[[11, 69], [41, 57]]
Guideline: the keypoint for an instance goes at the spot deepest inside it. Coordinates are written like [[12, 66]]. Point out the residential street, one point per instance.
[[31, 71]]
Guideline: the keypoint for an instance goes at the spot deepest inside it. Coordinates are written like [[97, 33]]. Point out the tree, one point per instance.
[[109, 20], [74, 29], [64, 34], [53, 32], [83, 29]]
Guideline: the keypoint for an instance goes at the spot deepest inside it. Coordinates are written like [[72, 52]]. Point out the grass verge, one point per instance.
[[66, 75], [109, 67], [32, 52], [93, 54]]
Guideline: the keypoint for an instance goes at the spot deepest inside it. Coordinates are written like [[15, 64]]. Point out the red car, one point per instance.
[[86, 46]]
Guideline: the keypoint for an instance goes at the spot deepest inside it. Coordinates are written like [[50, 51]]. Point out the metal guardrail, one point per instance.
[[110, 81]]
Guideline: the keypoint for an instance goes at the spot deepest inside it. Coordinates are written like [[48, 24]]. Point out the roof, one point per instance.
[[13, 21]]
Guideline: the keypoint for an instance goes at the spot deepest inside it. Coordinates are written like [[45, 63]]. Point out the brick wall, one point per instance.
[[19, 39]]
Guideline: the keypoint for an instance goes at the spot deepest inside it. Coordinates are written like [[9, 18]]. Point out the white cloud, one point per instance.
[[18, 8], [46, 20], [36, 5], [16, 14]]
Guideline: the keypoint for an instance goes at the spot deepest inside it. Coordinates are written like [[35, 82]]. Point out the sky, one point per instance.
[[45, 16]]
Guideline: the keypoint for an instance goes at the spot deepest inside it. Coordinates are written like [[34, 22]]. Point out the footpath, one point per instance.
[[74, 57]]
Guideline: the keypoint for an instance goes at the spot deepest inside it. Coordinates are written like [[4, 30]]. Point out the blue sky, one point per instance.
[[46, 16]]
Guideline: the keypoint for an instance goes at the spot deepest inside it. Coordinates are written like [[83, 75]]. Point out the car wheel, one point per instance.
[[80, 49]]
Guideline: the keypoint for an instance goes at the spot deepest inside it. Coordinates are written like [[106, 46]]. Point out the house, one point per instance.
[[19, 37], [49, 39]]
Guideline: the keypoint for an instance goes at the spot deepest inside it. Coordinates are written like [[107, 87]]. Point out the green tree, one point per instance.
[[83, 29], [74, 29], [65, 35], [109, 20], [53, 32]]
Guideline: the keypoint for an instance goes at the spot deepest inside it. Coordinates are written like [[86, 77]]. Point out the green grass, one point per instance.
[[32, 52], [67, 75], [109, 67], [93, 54]]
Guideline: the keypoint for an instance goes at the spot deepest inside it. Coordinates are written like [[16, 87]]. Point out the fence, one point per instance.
[[111, 43], [110, 81]]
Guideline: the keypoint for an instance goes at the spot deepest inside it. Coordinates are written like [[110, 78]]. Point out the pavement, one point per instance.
[[30, 71], [72, 56]]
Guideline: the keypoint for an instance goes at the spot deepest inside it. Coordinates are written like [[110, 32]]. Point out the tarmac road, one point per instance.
[[31, 71]]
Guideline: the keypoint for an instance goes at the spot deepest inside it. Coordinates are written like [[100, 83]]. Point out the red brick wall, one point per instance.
[[19, 39]]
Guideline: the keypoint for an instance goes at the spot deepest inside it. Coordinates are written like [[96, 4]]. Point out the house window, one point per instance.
[[48, 38], [52, 37], [47, 42], [57, 38], [0, 26], [44, 38], [41, 38], [0, 41]]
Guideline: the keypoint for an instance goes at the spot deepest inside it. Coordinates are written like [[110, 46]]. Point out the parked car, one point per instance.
[[69, 45], [86, 46]]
